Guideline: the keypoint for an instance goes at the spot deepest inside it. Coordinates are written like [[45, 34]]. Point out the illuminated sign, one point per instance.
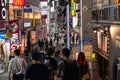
[[73, 8], [115, 1], [3, 9], [18, 2], [14, 42], [2, 35]]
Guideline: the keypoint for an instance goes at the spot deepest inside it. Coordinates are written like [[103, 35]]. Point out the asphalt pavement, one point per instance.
[[4, 76]]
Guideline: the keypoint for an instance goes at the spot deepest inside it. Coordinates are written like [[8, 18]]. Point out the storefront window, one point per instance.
[[114, 14], [94, 4], [113, 2], [105, 13], [105, 2], [99, 37], [99, 4], [100, 14], [119, 12], [102, 41]]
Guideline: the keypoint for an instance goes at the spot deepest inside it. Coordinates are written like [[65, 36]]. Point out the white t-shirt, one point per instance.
[[54, 43]]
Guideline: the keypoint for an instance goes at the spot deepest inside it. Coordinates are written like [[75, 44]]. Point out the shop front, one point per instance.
[[114, 51], [101, 46]]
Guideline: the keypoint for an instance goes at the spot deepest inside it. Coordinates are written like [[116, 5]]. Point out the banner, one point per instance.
[[15, 40]]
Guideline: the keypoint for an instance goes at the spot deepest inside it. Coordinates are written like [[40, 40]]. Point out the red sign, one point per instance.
[[3, 24], [18, 2], [15, 40]]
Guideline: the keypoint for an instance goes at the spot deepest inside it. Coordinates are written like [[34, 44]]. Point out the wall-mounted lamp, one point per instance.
[[95, 30], [104, 33]]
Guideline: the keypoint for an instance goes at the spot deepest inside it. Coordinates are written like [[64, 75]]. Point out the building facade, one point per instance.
[[105, 23]]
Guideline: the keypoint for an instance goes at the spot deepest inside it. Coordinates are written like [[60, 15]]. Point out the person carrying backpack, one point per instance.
[[51, 63], [85, 73], [67, 69]]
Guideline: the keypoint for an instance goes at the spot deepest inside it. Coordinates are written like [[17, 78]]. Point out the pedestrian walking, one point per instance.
[[41, 44], [51, 62], [54, 44], [16, 67], [46, 44], [27, 55], [36, 70], [67, 69], [57, 39], [84, 67], [51, 43]]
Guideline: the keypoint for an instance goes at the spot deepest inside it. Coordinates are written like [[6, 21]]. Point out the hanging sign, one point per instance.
[[15, 39]]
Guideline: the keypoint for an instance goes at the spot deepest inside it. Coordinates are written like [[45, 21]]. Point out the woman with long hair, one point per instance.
[[84, 67]]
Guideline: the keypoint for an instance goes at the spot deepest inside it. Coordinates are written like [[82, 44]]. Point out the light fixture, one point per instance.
[[101, 30], [95, 30]]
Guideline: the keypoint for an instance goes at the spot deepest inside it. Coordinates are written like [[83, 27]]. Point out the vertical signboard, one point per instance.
[[3, 11], [73, 8], [14, 42]]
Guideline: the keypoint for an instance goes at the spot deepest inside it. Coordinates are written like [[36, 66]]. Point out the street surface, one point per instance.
[[4, 76]]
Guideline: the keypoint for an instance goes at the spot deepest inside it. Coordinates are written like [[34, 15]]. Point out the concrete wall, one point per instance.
[[114, 48], [87, 18]]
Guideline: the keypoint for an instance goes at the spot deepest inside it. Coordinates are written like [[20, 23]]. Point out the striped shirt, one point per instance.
[[16, 65]]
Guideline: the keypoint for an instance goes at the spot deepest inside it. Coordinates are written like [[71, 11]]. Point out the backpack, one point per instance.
[[71, 71], [52, 66], [84, 68]]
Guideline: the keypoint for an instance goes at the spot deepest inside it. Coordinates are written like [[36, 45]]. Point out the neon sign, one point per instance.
[[18, 2]]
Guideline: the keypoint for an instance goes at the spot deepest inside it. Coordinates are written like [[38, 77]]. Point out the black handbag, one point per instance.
[[18, 76]]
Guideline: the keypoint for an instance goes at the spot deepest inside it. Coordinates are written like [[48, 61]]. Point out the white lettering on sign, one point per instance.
[[15, 36], [27, 24], [14, 41], [14, 46], [3, 10]]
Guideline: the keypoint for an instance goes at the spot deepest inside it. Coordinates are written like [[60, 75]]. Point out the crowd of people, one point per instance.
[[48, 65]]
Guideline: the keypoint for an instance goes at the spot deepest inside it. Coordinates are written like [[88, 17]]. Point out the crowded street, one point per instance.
[[60, 40], [4, 72]]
